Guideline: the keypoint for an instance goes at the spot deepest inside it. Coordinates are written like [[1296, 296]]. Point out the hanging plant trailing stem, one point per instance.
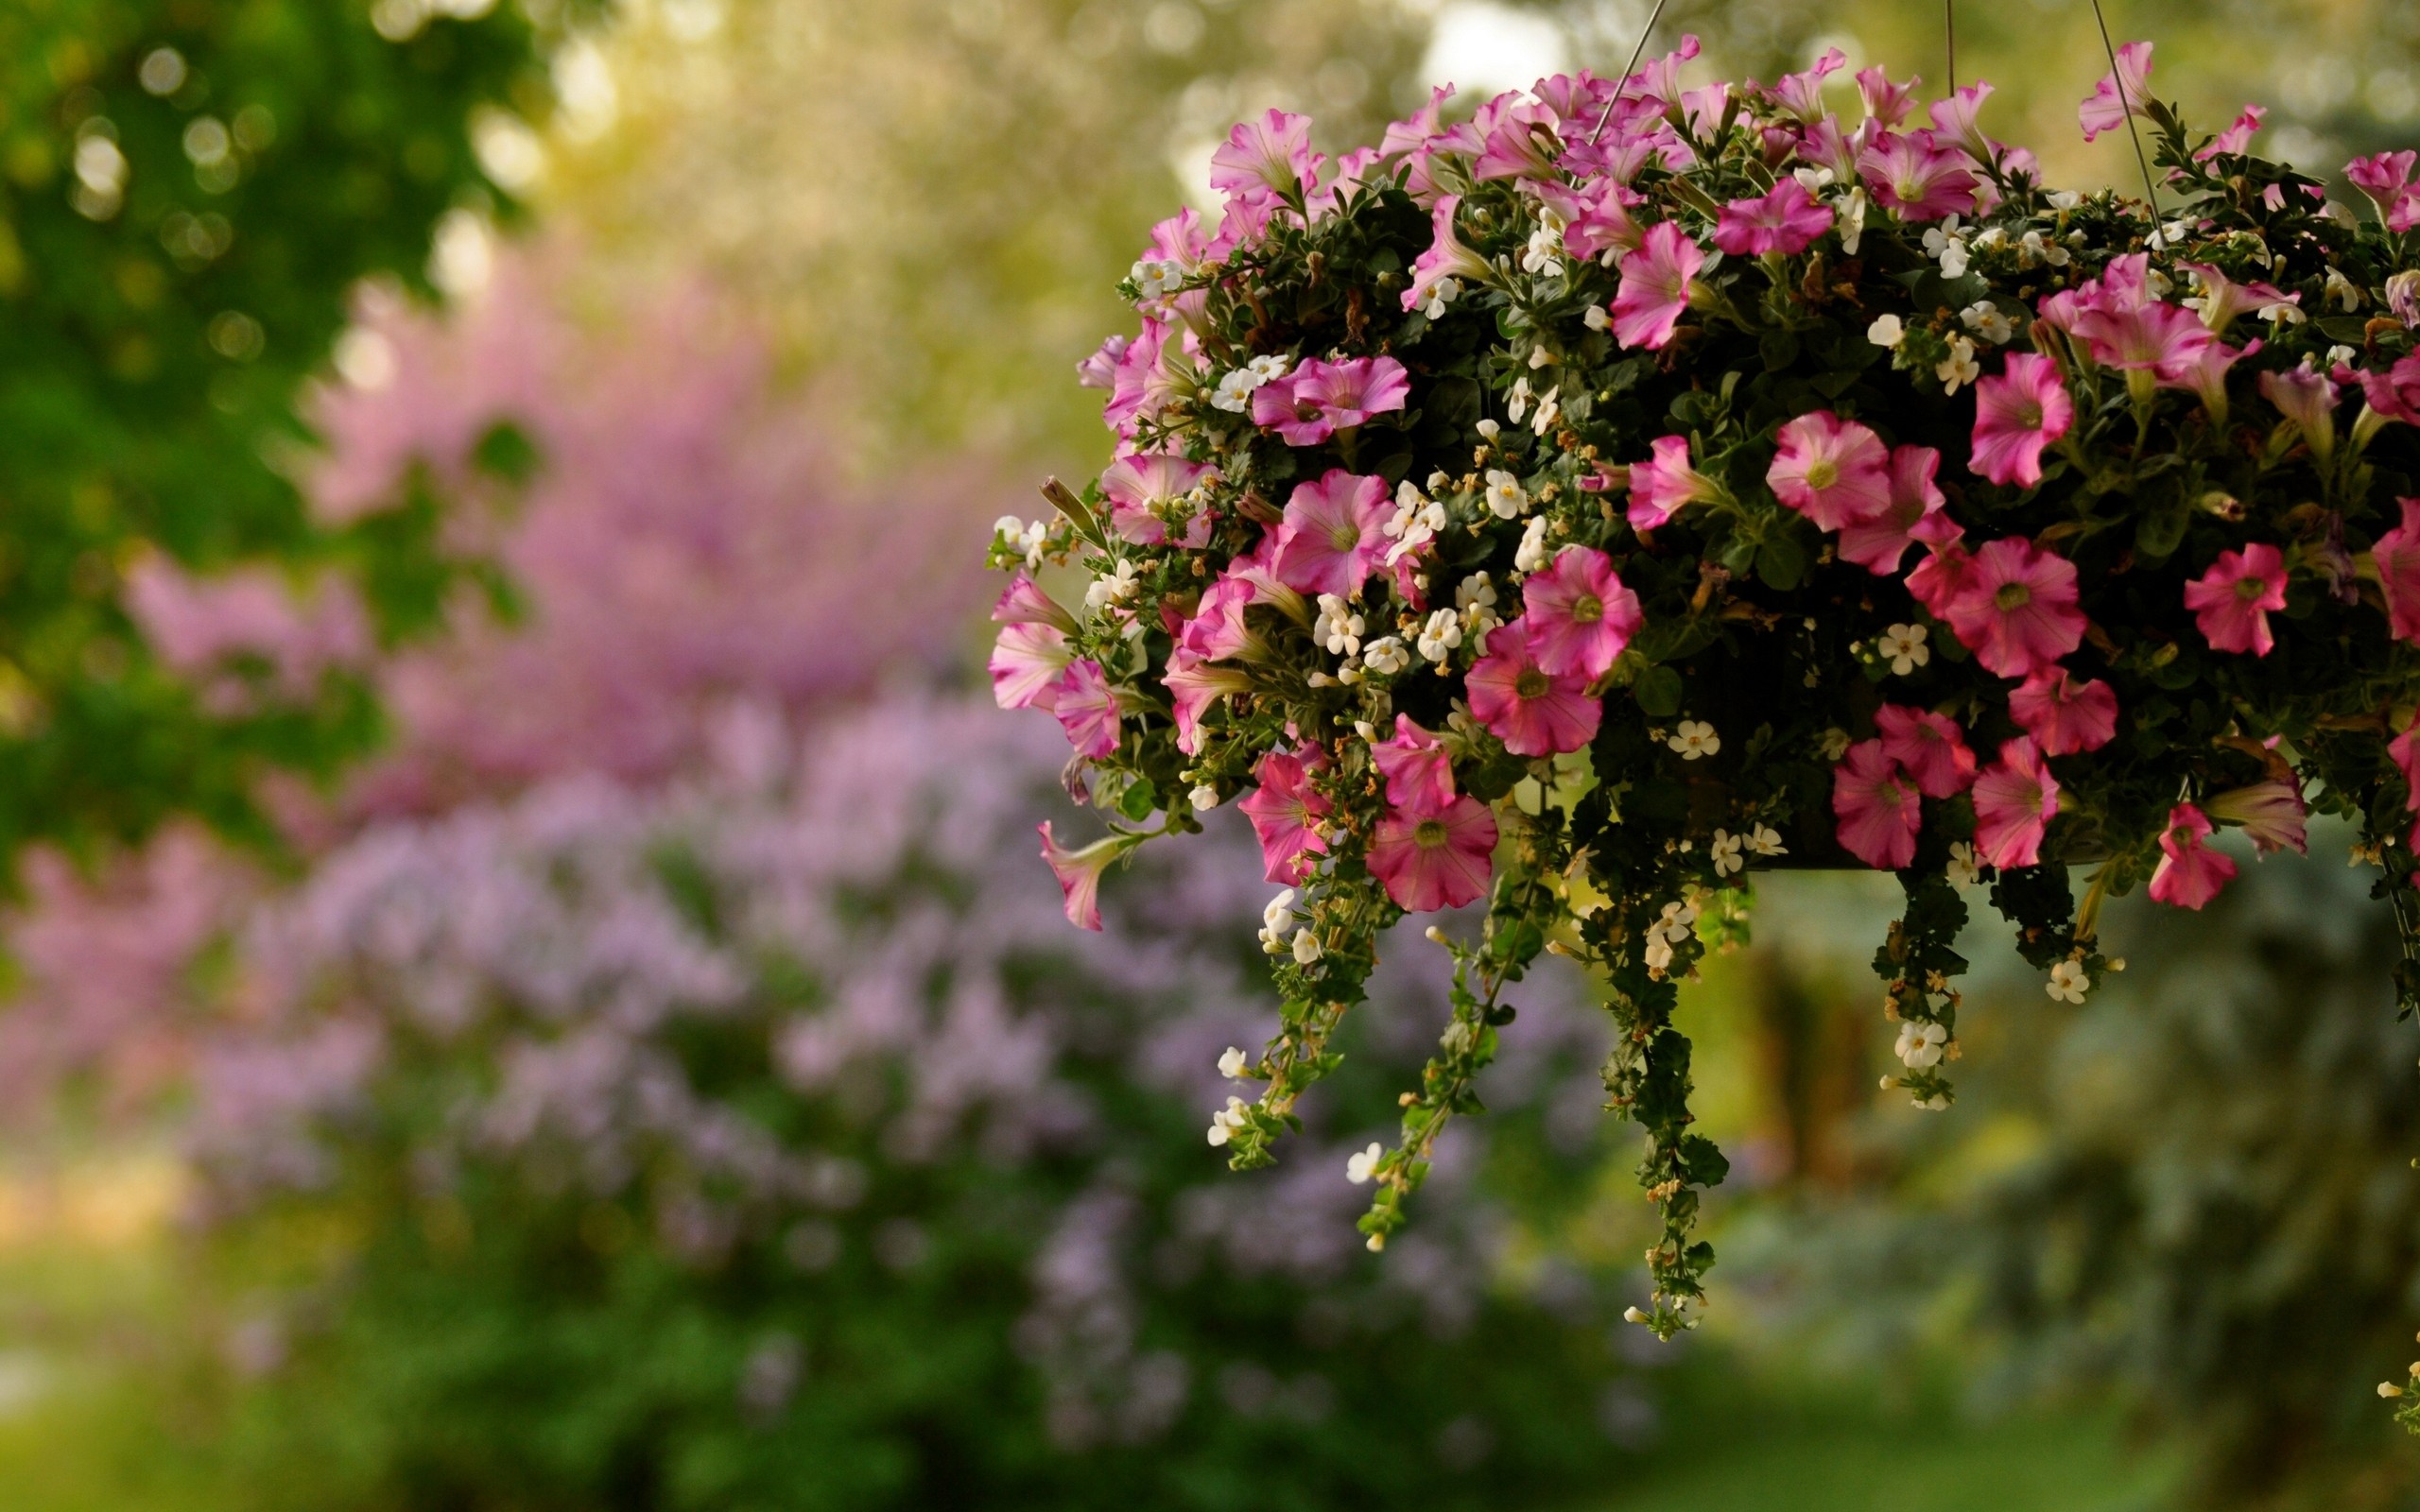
[[1582, 518]]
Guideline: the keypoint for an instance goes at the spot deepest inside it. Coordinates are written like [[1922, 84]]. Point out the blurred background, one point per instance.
[[527, 985]]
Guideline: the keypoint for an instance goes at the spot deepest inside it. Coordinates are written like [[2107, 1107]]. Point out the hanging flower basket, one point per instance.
[[1632, 488]]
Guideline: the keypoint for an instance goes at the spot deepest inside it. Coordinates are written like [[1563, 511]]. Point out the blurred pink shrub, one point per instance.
[[224, 630]]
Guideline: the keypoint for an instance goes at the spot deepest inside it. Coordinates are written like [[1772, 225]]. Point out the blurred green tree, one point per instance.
[[190, 192]]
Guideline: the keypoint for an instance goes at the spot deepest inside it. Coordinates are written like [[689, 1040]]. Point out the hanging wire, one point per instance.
[[1950, 35], [2126, 100], [1629, 68]]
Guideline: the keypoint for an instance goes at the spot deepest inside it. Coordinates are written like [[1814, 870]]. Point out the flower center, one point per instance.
[[2249, 589], [1587, 609], [1344, 537], [1821, 473], [1531, 683], [2013, 596], [2029, 415], [1430, 835]]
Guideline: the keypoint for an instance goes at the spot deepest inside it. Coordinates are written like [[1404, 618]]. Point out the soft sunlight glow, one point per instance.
[[1487, 48]]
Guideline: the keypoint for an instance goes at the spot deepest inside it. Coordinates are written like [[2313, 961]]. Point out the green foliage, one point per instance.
[[190, 190]]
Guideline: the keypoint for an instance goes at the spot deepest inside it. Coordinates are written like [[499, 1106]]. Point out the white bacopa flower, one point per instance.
[[1204, 798], [1338, 627], [1478, 591], [1766, 841], [1937, 1103], [2343, 290], [1516, 405], [1814, 181], [2282, 313], [1959, 367], [1439, 637], [1887, 331], [1903, 647], [1153, 279], [1549, 409], [1488, 429], [1833, 743], [1984, 319], [1852, 219], [1112, 587], [1543, 254], [2063, 200], [1307, 947], [1964, 870], [1234, 393], [1226, 1121], [1944, 245], [1724, 851], [2034, 249], [1273, 919], [1596, 318], [1271, 366], [1694, 738], [1506, 498], [1233, 1064], [1920, 1044], [1530, 556], [2339, 356], [2068, 982], [1442, 293], [1386, 656], [1361, 1167]]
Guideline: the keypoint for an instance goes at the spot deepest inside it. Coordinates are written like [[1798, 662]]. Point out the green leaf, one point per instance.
[[1781, 562], [1658, 692], [1138, 801]]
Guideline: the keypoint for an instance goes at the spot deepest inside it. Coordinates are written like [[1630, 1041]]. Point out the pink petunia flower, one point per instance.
[[1596, 218], [2308, 397], [1802, 94], [2382, 178], [1436, 860], [2018, 411], [1666, 484], [1026, 662], [1928, 746], [1023, 602], [1087, 709], [1448, 263], [1959, 119], [1878, 807], [2235, 138], [1271, 155], [2224, 300], [1655, 286], [1788, 219], [1321, 398], [1534, 711], [1078, 873], [1831, 471], [1194, 685], [2272, 814], [1886, 104], [1219, 631], [2124, 328], [1099, 369], [1520, 142], [1946, 571], [2404, 750], [1334, 533], [2018, 613], [2016, 798], [1419, 774], [2065, 716], [2189, 872], [2207, 375], [1579, 613], [2118, 95], [1914, 513], [1921, 180], [1286, 808], [2397, 555], [2231, 603], [1141, 485]]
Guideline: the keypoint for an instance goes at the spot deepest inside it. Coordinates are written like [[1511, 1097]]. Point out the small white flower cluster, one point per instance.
[[1903, 647], [1112, 587], [1233, 1064], [1235, 390], [1517, 404], [1727, 849], [1029, 540], [1363, 1166], [1475, 598], [1694, 738], [1986, 320], [1506, 498], [1338, 627], [2068, 982], [1227, 1120], [1531, 553], [1418, 519], [1945, 245], [1676, 927], [1440, 635], [1921, 1044], [1964, 868]]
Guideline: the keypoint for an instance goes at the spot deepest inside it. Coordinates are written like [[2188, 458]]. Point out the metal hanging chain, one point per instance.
[[1635, 54], [2126, 102]]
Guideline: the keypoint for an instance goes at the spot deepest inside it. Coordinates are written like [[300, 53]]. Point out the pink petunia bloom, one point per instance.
[[2118, 95], [1078, 873], [2065, 716], [1023, 602], [1520, 142], [1194, 685], [2224, 300], [1100, 370], [1937, 581], [2393, 394], [2018, 411], [1219, 631], [2404, 750], [1534, 711], [1416, 129], [1919, 179], [2208, 376], [1579, 613], [1333, 534], [1878, 807], [1928, 746], [1827, 144], [1788, 219], [2272, 814], [2018, 611], [1141, 485], [1705, 107], [1446, 263], [1832, 470], [1434, 860], [2307, 397], [1886, 104], [2235, 138], [2141, 335], [1959, 119], [2016, 798], [1914, 513], [1286, 810], [2189, 872], [1271, 155], [1664, 485], [1802, 94], [1655, 286], [1596, 218], [2397, 555], [2382, 178], [1419, 774], [2232, 600], [1321, 398], [1026, 662], [1087, 709]]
